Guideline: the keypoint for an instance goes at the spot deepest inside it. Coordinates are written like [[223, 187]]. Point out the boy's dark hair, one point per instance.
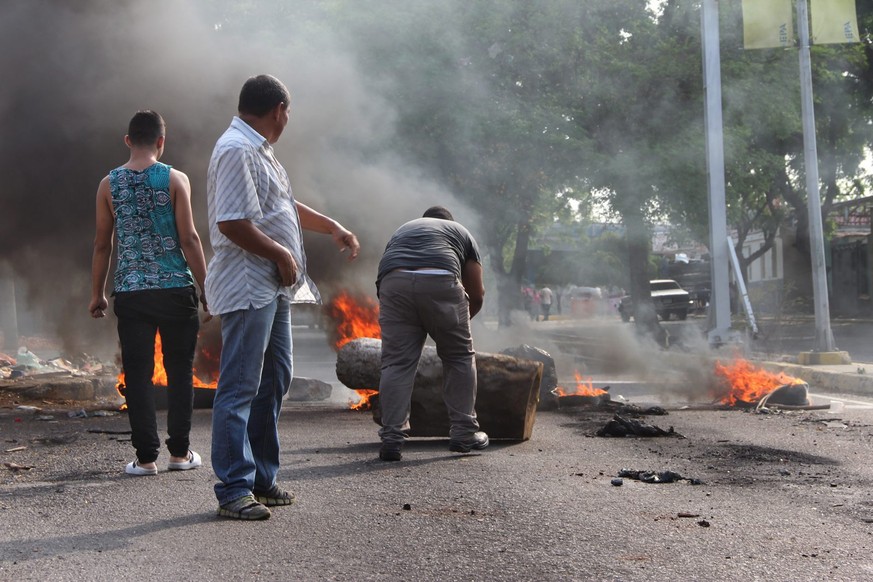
[[146, 127], [438, 212], [260, 94]]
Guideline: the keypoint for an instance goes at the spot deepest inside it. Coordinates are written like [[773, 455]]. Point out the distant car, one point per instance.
[[669, 299]]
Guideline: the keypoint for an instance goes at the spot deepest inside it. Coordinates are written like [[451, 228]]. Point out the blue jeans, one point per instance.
[[255, 374]]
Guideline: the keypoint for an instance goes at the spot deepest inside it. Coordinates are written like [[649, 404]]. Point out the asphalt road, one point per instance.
[[781, 497]]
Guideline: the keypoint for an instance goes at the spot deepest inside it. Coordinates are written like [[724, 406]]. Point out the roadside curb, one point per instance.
[[847, 379]]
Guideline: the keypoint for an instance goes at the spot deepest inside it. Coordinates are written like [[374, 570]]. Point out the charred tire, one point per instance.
[[682, 315], [664, 315], [625, 317]]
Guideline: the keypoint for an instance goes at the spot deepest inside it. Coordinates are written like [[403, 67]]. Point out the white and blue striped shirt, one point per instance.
[[246, 182]]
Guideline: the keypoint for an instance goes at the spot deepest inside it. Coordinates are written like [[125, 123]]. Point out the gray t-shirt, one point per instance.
[[429, 242]]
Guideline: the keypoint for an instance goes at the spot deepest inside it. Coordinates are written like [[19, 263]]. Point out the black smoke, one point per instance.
[[75, 72]]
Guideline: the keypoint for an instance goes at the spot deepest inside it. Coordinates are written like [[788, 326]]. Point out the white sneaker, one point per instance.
[[192, 463], [134, 468]]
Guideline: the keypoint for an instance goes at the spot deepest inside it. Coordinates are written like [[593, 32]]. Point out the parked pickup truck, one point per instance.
[[669, 299]]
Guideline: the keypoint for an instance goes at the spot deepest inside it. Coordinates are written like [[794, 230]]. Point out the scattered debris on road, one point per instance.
[[836, 423], [27, 408], [620, 426], [657, 476], [105, 431], [27, 363]]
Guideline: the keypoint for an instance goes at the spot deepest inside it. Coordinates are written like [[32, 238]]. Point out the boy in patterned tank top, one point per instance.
[[146, 205]]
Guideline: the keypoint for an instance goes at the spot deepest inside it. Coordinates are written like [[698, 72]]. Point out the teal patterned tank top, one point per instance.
[[149, 255]]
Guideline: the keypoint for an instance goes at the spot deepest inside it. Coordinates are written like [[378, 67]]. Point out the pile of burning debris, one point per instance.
[[347, 313], [26, 376], [736, 385], [745, 386], [27, 363]]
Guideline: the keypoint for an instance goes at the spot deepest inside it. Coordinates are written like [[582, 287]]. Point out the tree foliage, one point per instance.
[[525, 110]]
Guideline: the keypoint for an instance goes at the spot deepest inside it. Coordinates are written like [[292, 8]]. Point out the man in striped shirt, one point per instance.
[[257, 272]]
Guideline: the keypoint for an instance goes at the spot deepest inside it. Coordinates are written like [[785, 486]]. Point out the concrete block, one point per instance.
[[823, 358]]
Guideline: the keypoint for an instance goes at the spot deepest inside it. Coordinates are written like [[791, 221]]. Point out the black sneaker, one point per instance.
[[390, 452], [244, 508], [477, 440], [275, 497]]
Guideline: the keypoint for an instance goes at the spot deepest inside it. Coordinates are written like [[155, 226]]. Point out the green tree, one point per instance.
[[477, 86], [764, 150], [633, 86], [523, 108]]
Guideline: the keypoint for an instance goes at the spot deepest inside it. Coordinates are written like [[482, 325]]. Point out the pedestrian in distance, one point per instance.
[[429, 283], [257, 272], [146, 205], [535, 305], [526, 299], [546, 296]]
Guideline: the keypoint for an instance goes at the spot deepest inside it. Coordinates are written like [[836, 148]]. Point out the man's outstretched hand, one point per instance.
[[347, 241]]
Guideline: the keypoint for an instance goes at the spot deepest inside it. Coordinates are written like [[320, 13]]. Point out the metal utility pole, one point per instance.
[[741, 285], [824, 338], [8, 314], [719, 303]]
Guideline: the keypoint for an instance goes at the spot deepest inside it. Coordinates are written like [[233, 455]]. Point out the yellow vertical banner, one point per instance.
[[767, 24], [833, 21]]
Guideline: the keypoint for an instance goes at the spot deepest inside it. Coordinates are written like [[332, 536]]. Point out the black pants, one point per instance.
[[173, 313]]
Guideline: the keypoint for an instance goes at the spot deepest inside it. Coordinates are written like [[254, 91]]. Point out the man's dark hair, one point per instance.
[[260, 94], [145, 128], [438, 212]]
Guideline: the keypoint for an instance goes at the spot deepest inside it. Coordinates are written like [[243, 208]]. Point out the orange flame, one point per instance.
[[584, 387], [746, 383], [159, 376], [354, 317], [364, 402]]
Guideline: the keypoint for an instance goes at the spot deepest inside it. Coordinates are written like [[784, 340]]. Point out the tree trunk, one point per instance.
[[645, 317], [507, 299], [506, 400], [8, 312]]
